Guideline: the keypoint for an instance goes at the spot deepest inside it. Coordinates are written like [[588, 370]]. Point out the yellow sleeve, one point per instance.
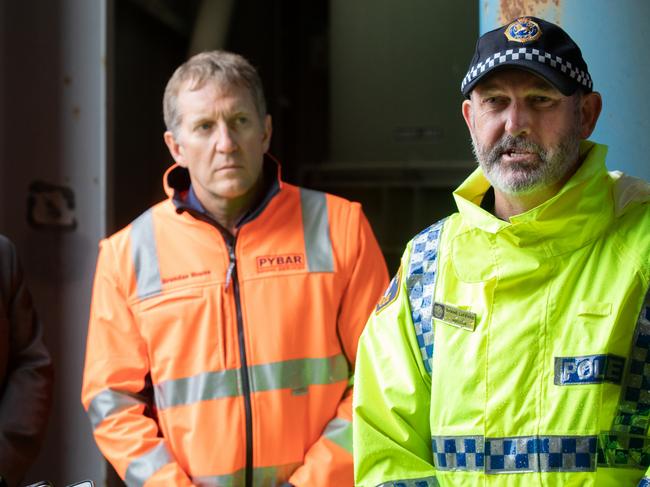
[[392, 439]]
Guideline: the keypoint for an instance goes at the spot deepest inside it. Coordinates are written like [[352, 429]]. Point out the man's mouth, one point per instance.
[[228, 166], [519, 156]]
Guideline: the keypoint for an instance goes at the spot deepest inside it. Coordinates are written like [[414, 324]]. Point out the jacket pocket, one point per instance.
[[183, 332]]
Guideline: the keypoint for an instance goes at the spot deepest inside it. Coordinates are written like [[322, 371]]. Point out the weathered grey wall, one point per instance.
[[52, 126]]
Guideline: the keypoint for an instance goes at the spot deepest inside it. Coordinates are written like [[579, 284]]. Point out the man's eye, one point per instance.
[[493, 101], [205, 126], [542, 100], [241, 120]]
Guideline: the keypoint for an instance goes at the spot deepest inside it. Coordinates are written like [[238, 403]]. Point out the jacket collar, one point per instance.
[[580, 211], [178, 188]]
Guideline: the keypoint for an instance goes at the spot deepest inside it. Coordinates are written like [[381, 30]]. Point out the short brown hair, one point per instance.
[[223, 67]]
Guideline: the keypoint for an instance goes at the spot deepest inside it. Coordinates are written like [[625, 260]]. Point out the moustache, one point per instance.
[[516, 144]]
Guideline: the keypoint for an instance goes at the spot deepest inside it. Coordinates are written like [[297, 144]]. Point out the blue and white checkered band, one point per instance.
[[518, 454], [622, 450], [627, 444], [421, 482], [529, 54], [458, 452], [644, 482], [420, 284], [633, 414], [523, 30]]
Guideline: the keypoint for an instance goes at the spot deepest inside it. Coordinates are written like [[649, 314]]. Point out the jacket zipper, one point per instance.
[[231, 276]]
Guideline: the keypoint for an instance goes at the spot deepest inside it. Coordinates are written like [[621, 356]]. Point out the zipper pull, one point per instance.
[[231, 267]]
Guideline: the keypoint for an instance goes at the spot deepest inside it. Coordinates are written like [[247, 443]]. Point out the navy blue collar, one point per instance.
[[193, 203], [189, 200]]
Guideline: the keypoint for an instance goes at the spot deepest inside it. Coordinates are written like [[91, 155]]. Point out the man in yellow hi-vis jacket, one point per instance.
[[512, 348]]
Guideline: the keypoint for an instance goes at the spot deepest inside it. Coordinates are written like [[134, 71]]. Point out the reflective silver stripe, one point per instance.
[[145, 256], [519, 454], [142, 468], [201, 387], [110, 402], [291, 374], [340, 432], [262, 477], [422, 482], [316, 227], [298, 374], [232, 480]]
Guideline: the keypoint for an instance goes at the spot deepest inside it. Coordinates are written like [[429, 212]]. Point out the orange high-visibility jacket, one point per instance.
[[222, 361]]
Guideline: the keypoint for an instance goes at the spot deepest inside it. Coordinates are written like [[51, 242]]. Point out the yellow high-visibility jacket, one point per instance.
[[514, 353], [215, 360]]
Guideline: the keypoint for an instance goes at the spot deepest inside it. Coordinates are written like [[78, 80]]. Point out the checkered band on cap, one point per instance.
[[644, 482], [515, 454], [528, 54], [420, 284]]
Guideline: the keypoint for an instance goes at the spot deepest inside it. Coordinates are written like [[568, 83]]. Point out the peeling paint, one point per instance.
[[547, 9]]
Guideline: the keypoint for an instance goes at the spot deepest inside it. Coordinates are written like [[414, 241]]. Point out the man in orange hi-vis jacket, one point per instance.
[[224, 320]]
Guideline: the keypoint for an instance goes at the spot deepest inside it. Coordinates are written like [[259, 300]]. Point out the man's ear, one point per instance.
[[467, 114], [590, 108], [268, 130], [175, 149]]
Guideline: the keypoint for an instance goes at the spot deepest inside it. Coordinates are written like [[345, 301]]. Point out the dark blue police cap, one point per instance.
[[535, 45]]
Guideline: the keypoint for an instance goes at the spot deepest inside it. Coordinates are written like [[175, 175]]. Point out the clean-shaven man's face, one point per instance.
[[221, 139]]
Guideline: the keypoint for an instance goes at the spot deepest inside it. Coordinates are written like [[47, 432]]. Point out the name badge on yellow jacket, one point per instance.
[[454, 316]]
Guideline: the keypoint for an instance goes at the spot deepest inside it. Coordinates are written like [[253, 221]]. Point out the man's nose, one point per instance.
[[518, 120], [225, 142]]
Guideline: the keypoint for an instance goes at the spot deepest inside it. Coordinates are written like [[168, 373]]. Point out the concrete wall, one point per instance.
[[53, 134]]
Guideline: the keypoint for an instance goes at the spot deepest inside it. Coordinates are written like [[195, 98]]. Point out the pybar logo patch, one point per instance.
[[285, 262]]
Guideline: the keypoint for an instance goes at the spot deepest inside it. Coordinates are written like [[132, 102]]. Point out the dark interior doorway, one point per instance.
[[285, 41]]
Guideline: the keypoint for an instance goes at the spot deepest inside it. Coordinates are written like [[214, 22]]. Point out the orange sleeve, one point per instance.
[[329, 460], [116, 390]]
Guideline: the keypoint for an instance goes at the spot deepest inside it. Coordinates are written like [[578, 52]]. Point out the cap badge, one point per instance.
[[523, 30]]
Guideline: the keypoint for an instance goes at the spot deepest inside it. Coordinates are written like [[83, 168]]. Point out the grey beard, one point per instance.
[[553, 164]]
